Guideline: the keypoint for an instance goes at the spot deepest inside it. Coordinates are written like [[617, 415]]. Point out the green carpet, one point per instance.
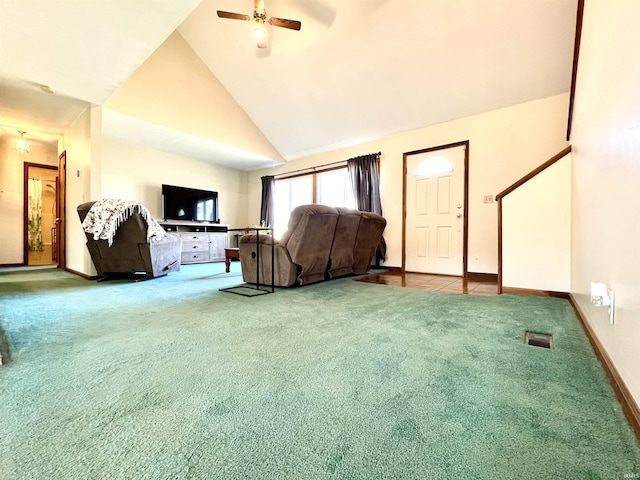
[[171, 379]]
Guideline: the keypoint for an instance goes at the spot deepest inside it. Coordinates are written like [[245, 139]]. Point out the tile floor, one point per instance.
[[439, 283]]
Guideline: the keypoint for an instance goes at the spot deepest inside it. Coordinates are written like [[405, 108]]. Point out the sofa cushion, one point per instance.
[[341, 257], [309, 238]]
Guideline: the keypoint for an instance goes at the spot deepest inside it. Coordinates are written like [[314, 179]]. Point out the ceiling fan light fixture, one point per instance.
[[259, 31], [259, 19], [22, 145]]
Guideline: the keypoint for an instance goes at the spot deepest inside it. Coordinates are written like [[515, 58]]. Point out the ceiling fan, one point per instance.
[[260, 18]]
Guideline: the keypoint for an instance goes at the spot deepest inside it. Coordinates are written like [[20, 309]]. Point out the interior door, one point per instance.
[[62, 210], [40, 199], [434, 237]]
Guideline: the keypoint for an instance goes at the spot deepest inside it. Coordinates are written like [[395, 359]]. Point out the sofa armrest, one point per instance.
[[285, 271]]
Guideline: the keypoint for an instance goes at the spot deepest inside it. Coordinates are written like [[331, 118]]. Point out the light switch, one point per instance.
[[488, 199]]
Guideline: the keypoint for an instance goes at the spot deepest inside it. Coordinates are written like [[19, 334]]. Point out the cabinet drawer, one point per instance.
[[194, 237], [194, 257], [188, 247]]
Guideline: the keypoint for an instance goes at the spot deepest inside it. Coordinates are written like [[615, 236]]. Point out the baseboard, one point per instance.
[[628, 403], [80, 274], [534, 292], [2, 265], [482, 277]]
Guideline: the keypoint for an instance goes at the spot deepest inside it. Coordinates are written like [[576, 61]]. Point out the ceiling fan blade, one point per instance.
[[233, 16], [285, 23]]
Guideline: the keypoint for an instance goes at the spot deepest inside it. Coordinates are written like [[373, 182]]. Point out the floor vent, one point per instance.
[[543, 340]]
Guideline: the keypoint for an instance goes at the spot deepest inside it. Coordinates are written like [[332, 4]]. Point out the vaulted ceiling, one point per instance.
[[357, 70]]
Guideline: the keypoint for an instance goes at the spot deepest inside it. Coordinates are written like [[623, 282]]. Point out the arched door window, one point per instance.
[[434, 166]]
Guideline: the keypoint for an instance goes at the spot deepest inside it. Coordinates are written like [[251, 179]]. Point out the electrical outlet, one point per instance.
[[488, 199]]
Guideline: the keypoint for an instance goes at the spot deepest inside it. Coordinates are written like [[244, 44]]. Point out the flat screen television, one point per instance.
[[181, 203]]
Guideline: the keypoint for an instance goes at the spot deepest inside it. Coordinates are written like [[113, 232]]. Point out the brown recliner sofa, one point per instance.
[[321, 242], [131, 254], [300, 256]]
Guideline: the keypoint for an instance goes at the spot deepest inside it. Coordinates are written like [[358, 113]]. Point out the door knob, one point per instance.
[[458, 206], [459, 215]]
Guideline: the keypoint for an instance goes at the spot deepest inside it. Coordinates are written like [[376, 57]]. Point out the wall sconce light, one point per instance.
[[21, 144], [603, 297]]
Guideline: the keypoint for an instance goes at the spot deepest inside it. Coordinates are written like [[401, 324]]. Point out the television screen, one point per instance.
[[181, 203]]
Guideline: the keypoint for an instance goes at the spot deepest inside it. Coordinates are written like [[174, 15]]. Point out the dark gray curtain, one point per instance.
[[364, 172], [267, 207]]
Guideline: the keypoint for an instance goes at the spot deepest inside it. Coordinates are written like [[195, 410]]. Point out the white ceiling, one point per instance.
[[83, 49], [24, 106], [356, 71], [124, 128]]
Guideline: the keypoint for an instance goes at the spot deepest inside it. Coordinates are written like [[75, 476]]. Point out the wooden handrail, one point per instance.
[[510, 189], [574, 71], [534, 172]]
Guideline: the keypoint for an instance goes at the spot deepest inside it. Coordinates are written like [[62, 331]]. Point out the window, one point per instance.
[[329, 187], [334, 189], [434, 166], [290, 192]]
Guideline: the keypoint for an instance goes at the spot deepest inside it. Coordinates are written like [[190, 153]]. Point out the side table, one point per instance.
[[235, 253], [230, 253]]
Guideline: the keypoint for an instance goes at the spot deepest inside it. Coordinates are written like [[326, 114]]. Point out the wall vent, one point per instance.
[[543, 340]]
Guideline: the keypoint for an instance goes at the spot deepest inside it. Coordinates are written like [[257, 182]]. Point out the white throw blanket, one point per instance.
[[106, 215]]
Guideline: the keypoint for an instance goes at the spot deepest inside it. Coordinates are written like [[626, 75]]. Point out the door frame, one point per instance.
[[465, 222], [62, 210], [25, 209]]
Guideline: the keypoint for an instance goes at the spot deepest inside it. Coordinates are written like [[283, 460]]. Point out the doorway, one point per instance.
[[41, 214], [435, 206]]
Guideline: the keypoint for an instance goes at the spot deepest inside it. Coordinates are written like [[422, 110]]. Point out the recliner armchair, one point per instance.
[[131, 253]]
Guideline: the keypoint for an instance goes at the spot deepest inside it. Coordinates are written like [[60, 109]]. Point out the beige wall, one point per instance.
[[175, 89], [12, 194], [82, 142], [137, 173], [101, 168], [536, 231], [606, 176], [505, 144]]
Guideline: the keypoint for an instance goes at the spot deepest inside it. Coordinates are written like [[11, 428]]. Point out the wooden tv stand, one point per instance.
[[201, 242]]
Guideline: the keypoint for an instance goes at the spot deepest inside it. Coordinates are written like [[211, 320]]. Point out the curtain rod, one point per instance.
[[313, 169]]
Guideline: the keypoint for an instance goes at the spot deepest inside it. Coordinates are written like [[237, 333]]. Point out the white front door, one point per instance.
[[435, 212]]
